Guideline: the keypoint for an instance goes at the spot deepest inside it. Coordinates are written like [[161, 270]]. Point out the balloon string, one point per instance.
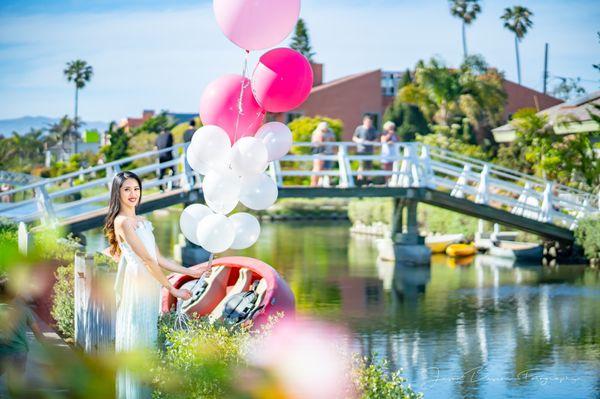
[[243, 85]]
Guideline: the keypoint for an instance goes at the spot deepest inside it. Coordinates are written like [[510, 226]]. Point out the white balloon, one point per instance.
[[258, 191], [247, 230], [198, 166], [216, 233], [190, 218], [249, 156], [221, 190], [277, 137], [211, 146]]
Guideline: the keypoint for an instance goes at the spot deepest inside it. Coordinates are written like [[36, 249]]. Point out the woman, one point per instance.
[[139, 277], [388, 138], [317, 141]]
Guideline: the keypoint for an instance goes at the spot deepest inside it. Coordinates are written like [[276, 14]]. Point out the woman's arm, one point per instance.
[[169, 265], [128, 228]]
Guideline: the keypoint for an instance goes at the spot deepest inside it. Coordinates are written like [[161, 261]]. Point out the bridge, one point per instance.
[[419, 173]]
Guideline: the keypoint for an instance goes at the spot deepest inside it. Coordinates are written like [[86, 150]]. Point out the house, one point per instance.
[[371, 92], [176, 118], [565, 118]]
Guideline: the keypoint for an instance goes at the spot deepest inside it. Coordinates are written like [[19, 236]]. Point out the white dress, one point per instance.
[[138, 308]]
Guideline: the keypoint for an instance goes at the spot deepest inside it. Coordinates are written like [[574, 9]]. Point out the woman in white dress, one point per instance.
[[139, 277]]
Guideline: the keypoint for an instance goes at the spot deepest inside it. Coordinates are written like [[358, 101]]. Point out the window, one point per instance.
[[290, 116]]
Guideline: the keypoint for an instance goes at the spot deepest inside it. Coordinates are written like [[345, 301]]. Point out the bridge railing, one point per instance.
[[407, 165]]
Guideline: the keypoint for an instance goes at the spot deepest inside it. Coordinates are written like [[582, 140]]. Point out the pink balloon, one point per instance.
[[219, 106], [282, 80], [256, 24]]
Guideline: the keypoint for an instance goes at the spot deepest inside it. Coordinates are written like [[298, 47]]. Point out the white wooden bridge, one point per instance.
[[419, 173]]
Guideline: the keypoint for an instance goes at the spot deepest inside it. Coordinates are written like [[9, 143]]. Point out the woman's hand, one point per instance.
[[180, 293], [199, 271]]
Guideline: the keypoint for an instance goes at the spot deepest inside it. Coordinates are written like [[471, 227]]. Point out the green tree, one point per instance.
[[467, 11], [301, 40], [568, 88], [408, 118], [80, 73], [447, 96], [119, 140], [156, 124], [518, 21], [63, 131], [22, 152]]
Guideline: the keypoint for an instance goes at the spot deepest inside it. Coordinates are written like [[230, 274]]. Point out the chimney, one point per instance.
[[147, 114], [317, 73]]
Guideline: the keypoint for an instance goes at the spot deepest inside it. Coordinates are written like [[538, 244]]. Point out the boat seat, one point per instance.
[[242, 284], [208, 295]]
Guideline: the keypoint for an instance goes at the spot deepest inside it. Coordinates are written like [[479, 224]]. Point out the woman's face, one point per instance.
[[130, 193]]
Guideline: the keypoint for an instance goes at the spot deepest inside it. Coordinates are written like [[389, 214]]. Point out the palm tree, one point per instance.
[[466, 10], [80, 73], [517, 20]]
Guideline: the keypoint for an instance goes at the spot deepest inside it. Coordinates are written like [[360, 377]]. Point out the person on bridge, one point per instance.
[[365, 135], [139, 277], [319, 139], [187, 137], [164, 141], [388, 138]]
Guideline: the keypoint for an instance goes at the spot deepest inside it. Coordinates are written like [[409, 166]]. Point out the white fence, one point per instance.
[[412, 165]]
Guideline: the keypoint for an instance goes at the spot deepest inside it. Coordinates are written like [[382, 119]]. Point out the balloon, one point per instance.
[[211, 146], [219, 106], [277, 137], [216, 233], [247, 230], [256, 24], [249, 156], [282, 80], [258, 191], [190, 218], [198, 166], [221, 190]]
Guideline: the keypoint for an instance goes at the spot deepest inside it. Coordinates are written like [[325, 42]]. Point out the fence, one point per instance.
[[95, 309]]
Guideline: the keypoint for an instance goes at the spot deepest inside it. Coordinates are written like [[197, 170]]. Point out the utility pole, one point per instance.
[[545, 67]]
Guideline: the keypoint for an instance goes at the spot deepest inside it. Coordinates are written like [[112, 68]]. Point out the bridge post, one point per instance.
[[426, 169], [546, 214], [188, 174], [111, 171], [346, 178], [408, 244], [462, 182], [482, 196], [275, 172], [44, 203]]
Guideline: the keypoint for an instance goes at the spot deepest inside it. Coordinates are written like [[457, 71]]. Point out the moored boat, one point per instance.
[[238, 289], [520, 251], [459, 250], [438, 244]]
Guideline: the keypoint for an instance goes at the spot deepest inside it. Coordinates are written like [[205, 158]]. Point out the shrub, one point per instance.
[[373, 381], [302, 129], [371, 210], [587, 235], [63, 301]]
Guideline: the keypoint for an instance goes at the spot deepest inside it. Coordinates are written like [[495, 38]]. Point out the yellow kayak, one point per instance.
[[457, 250], [438, 244]]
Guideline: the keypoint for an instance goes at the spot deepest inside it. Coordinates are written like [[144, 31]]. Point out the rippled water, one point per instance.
[[480, 330]]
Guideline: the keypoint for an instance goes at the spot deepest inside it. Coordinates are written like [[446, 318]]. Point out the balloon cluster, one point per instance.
[[233, 148]]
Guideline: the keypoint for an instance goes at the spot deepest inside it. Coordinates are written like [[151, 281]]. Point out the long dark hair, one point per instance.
[[114, 207]]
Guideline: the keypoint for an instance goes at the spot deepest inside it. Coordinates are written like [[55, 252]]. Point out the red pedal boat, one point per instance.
[[236, 290]]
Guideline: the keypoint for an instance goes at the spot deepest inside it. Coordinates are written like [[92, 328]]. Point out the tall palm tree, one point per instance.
[[466, 10], [517, 20], [80, 73]]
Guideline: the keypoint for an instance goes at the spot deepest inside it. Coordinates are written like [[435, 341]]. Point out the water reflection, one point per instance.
[[477, 329]]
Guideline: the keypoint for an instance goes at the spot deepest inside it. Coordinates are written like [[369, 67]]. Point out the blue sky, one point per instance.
[[151, 54]]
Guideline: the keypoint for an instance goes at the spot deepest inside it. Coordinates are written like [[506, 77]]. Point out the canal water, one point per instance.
[[483, 329]]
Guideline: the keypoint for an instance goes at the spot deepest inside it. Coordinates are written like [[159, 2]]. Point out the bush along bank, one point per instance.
[[373, 216], [306, 209], [587, 235]]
